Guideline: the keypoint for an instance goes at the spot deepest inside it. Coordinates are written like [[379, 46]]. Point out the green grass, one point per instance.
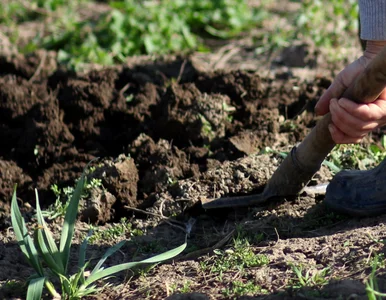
[[238, 257], [50, 259], [242, 288]]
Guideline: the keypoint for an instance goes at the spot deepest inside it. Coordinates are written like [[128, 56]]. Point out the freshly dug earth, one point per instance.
[[167, 136], [173, 129]]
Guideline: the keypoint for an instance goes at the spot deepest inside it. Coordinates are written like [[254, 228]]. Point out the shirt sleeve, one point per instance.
[[373, 19]]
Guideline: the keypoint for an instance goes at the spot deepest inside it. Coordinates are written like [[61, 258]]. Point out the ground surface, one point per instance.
[[169, 133]]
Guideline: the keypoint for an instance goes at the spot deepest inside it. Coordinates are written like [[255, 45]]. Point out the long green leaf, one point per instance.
[[35, 288], [25, 241], [74, 279], [115, 269], [46, 242], [82, 251], [331, 165], [18, 225], [69, 220], [108, 253], [45, 253]]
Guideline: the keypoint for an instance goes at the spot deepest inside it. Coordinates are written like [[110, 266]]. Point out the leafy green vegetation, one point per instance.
[[325, 24], [132, 27], [117, 230], [241, 288], [41, 250], [183, 288], [64, 195], [238, 257], [358, 156]]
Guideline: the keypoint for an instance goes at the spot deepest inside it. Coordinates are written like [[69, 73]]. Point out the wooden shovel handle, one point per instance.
[[370, 83], [365, 89], [305, 160]]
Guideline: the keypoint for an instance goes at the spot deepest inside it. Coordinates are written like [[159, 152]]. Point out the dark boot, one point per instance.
[[358, 193]]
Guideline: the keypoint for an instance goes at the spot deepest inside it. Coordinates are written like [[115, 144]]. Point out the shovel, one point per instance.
[[304, 160]]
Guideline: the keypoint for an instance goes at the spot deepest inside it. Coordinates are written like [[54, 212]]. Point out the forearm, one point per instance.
[[373, 48]]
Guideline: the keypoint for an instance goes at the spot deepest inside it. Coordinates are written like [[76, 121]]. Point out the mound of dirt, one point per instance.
[[175, 123]]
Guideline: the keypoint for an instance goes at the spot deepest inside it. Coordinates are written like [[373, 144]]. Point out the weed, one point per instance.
[[240, 288], [122, 228], [238, 257], [63, 197], [11, 285], [309, 278], [358, 156], [372, 289], [362, 157], [245, 235], [183, 288], [149, 247], [206, 128], [42, 250]]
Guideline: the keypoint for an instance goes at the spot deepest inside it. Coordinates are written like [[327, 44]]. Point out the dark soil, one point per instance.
[[173, 127], [168, 135]]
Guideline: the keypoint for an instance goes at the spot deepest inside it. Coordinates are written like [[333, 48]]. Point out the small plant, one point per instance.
[[309, 278], [63, 197], [115, 231], [42, 250], [238, 257], [240, 288], [183, 288], [358, 156], [372, 289]]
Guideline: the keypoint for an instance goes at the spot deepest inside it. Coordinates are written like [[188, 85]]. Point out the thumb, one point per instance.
[[382, 95], [335, 90]]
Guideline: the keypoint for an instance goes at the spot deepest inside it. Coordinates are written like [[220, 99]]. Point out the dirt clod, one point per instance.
[[97, 208], [120, 178]]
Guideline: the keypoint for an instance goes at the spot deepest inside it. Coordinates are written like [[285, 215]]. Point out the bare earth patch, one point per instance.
[[170, 133]]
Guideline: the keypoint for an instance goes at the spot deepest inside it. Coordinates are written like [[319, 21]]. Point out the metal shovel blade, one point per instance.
[[237, 201], [289, 179]]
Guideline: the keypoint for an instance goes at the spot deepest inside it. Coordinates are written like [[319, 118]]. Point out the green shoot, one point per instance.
[[42, 249], [372, 289]]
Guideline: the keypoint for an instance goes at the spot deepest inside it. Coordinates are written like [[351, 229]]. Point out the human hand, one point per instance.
[[352, 121]]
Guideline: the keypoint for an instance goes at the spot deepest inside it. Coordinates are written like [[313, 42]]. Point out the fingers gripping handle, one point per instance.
[[365, 89], [306, 159]]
